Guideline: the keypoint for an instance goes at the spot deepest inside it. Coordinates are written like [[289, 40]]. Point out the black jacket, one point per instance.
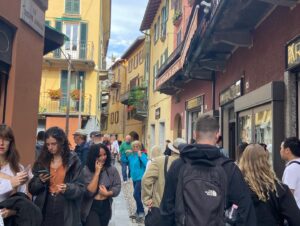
[[73, 194], [238, 191], [279, 207], [28, 214]]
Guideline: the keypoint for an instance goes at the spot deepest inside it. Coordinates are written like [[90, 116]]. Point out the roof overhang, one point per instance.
[[231, 27], [133, 46], [150, 13]]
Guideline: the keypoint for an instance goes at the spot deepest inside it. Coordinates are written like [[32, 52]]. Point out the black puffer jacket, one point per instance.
[[238, 191], [279, 207], [73, 194]]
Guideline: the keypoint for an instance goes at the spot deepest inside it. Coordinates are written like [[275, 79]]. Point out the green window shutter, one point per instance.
[[68, 6], [63, 88], [83, 41], [76, 6], [58, 26]]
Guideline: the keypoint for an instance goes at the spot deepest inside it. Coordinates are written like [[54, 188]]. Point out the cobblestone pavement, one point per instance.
[[124, 205]]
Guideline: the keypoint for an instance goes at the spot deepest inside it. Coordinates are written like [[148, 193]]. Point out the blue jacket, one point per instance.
[[137, 165], [82, 152]]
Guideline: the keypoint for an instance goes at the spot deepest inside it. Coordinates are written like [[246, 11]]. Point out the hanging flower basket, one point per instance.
[[54, 94], [75, 94]]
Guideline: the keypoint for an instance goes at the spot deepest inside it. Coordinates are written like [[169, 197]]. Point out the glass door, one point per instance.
[[72, 46]]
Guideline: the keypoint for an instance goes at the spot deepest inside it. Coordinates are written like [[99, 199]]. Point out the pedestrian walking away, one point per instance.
[[103, 182], [15, 207], [125, 146], [290, 152], [273, 201], [137, 163], [57, 185], [188, 201], [153, 182]]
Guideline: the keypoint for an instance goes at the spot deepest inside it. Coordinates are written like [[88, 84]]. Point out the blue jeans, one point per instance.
[[124, 170], [138, 196]]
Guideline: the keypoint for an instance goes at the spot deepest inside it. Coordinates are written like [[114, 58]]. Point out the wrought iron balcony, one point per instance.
[[50, 106], [140, 112], [78, 50]]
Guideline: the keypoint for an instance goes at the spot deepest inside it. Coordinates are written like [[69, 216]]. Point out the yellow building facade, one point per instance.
[[114, 112], [87, 26], [158, 21]]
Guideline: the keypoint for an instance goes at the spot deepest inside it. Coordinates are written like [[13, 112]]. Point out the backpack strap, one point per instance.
[[166, 166], [292, 162]]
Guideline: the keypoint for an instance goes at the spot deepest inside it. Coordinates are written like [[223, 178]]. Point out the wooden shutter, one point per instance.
[[68, 6], [76, 6], [58, 26], [83, 41]]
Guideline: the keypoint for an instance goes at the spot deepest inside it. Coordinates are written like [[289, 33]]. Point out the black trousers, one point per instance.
[[100, 213], [54, 211]]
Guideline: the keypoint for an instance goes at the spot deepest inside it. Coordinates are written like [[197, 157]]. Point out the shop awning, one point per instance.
[[53, 39]]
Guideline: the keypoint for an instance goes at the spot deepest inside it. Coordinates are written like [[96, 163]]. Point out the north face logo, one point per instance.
[[211, 193]]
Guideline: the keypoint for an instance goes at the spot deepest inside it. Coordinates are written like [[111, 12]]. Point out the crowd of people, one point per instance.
[[191, 184]]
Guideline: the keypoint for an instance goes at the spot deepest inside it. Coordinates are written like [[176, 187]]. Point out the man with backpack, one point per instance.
[[203, 184], [290, 152], [153, 182]]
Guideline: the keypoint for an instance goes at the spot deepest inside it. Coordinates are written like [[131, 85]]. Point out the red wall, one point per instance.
[[265, 61], [190, 91]]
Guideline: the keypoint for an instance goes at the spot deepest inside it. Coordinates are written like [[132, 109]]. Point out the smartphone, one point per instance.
[[44, 171]]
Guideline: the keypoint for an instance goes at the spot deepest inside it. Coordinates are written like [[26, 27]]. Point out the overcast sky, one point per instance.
[[126, 18]]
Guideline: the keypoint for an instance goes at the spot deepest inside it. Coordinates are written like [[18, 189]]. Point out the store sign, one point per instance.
[[157, 113], [33, 15], [231, 93], [195, 102], [293, 54]]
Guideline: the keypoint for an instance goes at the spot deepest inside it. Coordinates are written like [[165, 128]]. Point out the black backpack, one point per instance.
[[201, 193]]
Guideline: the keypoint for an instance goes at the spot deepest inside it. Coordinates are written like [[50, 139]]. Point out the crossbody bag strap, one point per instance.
[[292, 162], [166, 166]]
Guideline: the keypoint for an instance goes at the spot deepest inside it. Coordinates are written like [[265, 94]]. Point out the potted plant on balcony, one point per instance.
[[137, 97], [75, 94], [177, 18], [54, 94]]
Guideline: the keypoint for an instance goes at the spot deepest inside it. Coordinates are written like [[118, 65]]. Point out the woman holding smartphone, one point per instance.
[[103, 182], [57, 183], [15, 207]]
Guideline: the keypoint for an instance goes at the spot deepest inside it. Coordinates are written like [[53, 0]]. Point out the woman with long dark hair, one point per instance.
[[57, 183], [103, 182], [273, 200], [15, 207]]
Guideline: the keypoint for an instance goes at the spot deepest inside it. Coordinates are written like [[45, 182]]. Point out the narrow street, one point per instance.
[[123, 205]]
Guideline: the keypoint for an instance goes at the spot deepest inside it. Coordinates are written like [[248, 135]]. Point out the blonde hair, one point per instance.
[[154, 152], [257, 171], [136, 142]]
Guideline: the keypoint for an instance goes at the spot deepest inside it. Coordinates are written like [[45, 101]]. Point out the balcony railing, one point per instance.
[[50, 106], [124, 98], [78, 50]]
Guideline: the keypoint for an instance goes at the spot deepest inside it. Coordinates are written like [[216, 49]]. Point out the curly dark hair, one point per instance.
[[61, 138], [12, 155], [94, 154]]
